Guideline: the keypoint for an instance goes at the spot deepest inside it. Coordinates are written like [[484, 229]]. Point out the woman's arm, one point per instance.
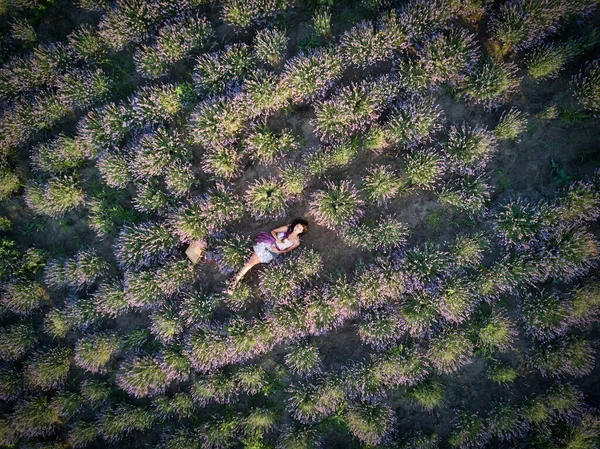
[[287, 250], [276, 230]]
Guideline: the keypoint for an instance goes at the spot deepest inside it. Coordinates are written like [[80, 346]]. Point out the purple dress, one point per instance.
[[265, 241]]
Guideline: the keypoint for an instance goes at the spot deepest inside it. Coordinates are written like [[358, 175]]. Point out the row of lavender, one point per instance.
[[412, 299]]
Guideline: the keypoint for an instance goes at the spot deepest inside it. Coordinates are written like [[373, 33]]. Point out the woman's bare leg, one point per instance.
[[254, 260]]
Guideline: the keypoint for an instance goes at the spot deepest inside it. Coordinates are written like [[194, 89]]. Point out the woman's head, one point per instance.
[[299, 225]]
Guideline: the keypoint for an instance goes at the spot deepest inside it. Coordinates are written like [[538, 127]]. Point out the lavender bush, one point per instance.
[[16, 340], [424, 168], [370, 422], [55, 197], [566, 356], [216, 73], [470, 431], [449, 57], [266, 198], [414, 121], [505, 421], [48, 369], [59, 155], [141, 377], [512, 123], [240, 14], [144, 244], [268, 146], [585, 86], [469, 148], [310, 76], [337, 207], [491, 83], [94, 352], [270, 46], [450, 351]]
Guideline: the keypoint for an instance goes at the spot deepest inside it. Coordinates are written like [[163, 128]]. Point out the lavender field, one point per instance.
[[444, 153]]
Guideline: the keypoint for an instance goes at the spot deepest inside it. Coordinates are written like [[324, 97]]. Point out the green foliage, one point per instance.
[[321, 22], [79, 271], [241, 296], [470, 194], [11, 383], [95, 392], [567, 356], [33, 417], [22, 296], [259, 421], [467, 251], [506, 422], [470, 431], [309, 76], [266, 198], [93, 353], [270, 45], [548, 60], [585, 303], [545, 314], [117, 422], [157, 104], [424, 168], [48, 369], [381, 184], [16, 340], [502, 374], [82, 88], [336, 207], [142, 376], [81, 434], [267, 146], [180, 406], [469, 147], [384, 234], [428, 394], [293, 178], [494, 332], [370, 423], [86, 43], [241, 14], [414, 121], [10, 182], [232, 253], [107, 214], [215, 73], [22, 30], [223, 161], [141, 245], [303, 360], [586, 86], [166, 324], [491, 83], [512, 123], [9, 258], [339, 155], [55, 197], [449, 351], [299, 438], [67, 404]]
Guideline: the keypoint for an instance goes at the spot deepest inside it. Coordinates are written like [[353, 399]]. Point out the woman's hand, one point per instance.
[[274, 233]]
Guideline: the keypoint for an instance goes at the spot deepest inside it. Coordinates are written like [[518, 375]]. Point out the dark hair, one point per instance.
[[298, 221]]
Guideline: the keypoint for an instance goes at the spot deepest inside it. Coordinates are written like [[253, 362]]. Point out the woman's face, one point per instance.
[[299, 229]]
